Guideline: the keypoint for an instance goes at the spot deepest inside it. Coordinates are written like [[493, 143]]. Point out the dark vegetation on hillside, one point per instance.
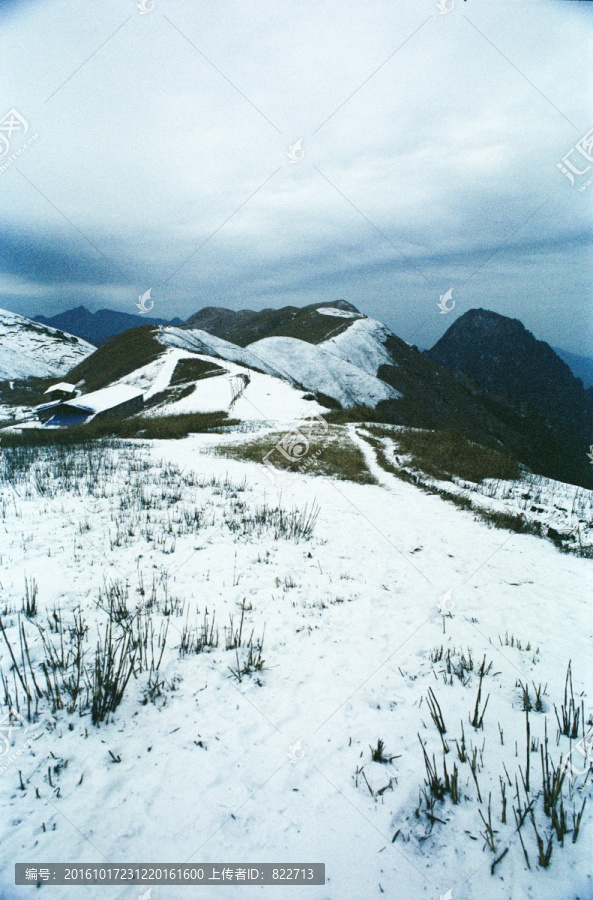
[[194, 369], [245, 326], [435, 398], [330, 453], [149, 428], [446, 455], [121, 355], [501, 356], [28, 392]]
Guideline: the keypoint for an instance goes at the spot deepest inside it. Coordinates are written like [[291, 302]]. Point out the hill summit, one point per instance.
[[508, 362], [245, 326]]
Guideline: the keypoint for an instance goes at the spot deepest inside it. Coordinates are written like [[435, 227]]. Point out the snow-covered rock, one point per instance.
[[29, 348]]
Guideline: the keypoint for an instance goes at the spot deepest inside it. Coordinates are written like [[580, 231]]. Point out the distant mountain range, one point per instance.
[[581, 366], [100, 326], [238, 326]]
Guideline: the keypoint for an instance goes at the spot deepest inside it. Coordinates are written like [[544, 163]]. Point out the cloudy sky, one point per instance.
[[426, 156]]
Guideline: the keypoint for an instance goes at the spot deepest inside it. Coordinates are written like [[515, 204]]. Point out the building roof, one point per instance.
[[61, 386], [49, 405], [107, 398]]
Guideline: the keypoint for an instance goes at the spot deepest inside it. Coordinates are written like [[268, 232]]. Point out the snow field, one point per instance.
[[352, 624]]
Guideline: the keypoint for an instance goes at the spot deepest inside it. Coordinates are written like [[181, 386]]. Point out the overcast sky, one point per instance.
[[428, 161]]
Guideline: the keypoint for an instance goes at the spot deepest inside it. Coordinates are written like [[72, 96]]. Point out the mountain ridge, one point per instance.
[[356, 367], [100, 326], [246, 326]]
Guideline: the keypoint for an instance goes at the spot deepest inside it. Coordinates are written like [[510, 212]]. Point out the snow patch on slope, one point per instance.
[[363, 345], [264, 399], [29, 348], [199, 341], [339, 313], [318, 369]]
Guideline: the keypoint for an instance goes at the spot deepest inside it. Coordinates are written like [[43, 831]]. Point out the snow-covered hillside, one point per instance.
[[245, 393], [562, 512], [29, 349], [343, 367], [320, 369], [199, 341], [362, 345], [364, 607]]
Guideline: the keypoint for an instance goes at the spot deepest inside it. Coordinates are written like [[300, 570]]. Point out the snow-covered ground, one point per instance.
[[277, 767], [362, 344], [199, 341], [28, 348]]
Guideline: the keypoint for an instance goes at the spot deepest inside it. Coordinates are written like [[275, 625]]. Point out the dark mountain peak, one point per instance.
[[507, 361], [487, 318], [99, 327], [337, 304]]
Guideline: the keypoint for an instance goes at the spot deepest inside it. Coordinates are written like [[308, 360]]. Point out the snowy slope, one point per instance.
[[263, 398], [199, 341], [343, 367], [28, 348], [338, 313], [318, 369], [362, 344], [277, 767]]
